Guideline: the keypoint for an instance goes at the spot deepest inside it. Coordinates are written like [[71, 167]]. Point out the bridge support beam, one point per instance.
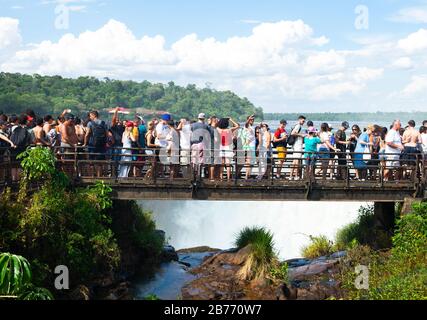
[[385, 215]]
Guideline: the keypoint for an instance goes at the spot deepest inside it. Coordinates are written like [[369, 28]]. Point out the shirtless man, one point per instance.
[[48, 124], [411, 138], [39, 134], [69, 139]]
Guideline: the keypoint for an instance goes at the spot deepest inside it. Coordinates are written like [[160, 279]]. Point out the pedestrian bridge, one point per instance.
[[328, 180]]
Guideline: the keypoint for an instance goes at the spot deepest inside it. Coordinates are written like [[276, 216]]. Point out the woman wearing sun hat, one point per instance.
[[127, 140]]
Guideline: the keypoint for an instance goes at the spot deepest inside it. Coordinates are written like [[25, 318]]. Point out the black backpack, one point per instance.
[[20, 137], [292, 139], [99, 134]]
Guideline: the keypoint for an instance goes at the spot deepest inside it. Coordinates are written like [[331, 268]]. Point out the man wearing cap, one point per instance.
[[280, 138], [200, 141], [298, 148], [163, 130], [342, 143]]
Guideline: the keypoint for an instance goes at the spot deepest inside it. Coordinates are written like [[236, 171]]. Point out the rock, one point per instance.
[[294, 263], [81, 293], [339, 255], [199, 250], [105, 281], [121, 292], [169, 254], [310, 270], [185, 264]]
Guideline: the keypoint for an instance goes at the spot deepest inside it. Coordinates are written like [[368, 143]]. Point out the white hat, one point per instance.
[[202, 116]]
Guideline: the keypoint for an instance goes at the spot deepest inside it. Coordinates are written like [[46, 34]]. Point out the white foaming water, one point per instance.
[[192, 223]]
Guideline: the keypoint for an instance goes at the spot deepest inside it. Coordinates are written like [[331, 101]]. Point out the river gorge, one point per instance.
[[190, 224]]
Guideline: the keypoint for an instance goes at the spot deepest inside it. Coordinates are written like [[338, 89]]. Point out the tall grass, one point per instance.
[[319, 246], [262, 254]]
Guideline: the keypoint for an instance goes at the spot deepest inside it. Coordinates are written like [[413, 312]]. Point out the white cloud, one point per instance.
[[417, 85], [10, 38], [411, 15], [415, 42], [275, 65], [403, 63]]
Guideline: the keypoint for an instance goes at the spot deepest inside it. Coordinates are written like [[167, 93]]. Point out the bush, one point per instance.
[[144, 232], [319, 246], [363, 232], [400, 273], [262, 254]]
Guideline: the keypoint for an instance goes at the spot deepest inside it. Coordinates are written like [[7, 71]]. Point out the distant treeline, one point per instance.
[[351, 116], [52, 95]]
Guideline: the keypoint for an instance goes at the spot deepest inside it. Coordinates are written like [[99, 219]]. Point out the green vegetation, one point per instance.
[[262, 255], [59, 225], [320, 246], [52, 95], [363, 231], [16, 280], [351, 116], [151, 297], [397, 274]]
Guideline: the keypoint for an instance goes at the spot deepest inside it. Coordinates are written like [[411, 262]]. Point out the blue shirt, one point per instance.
[[142, 131], [360, 148], [311, 145]]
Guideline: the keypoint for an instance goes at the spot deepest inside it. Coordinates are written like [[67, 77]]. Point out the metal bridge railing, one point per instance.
[[239, 168]]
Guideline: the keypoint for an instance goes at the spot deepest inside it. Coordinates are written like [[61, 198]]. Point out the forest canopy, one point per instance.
[[53, 94]]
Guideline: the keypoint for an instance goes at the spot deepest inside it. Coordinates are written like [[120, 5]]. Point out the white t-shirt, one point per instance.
[[162, 131], [393, 137], [424, 142], [185, 137], [324, 136], [250, 134], [299, 142]]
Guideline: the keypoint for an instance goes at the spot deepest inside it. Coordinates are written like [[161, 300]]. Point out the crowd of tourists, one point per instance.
[[163, 145]]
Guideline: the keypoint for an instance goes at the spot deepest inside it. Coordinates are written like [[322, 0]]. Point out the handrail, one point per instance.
[[80, 164]]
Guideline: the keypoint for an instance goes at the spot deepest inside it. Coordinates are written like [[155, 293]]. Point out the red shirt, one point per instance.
[[279, 133]]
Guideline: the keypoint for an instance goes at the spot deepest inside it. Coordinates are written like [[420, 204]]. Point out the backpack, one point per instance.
[[99, 135], [20, 137], [292, 139]]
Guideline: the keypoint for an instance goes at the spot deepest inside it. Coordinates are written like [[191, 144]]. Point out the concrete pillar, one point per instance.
[[385, 215]]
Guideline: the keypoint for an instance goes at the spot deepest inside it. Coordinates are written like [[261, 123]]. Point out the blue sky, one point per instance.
[[318, 59]]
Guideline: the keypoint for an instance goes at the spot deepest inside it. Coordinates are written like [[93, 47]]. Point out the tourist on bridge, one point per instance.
[[423, 132], [394, 149], [411, 140], [248, 137], [279, 141], [298, 148], [226, 143], [325, 148], [363, 153], [342, 144], [265, 151], [127, 139]]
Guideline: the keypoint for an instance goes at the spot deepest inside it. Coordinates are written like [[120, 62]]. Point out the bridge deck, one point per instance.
[[186, 182]]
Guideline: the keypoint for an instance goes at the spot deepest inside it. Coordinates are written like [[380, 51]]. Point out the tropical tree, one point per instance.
[[16, 280]]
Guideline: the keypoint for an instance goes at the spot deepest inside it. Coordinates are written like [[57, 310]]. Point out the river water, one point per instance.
[[215, 224]]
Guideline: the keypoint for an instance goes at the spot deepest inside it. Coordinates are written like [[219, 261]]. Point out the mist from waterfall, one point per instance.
[[193, 223]]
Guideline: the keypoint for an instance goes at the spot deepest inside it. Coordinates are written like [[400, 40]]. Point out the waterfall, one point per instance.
[[215, 224]]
